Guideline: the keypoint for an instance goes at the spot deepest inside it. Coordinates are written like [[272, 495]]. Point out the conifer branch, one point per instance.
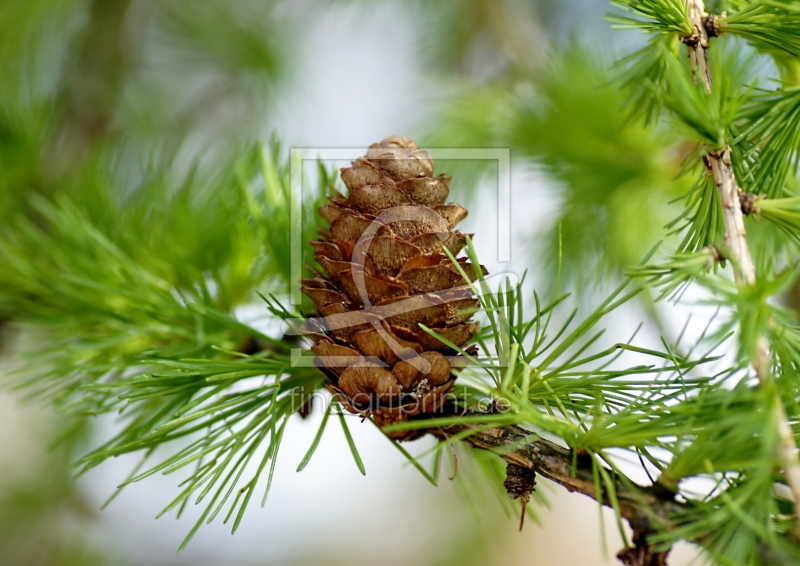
[[647, 510], [141, 313], [697, 44], [719, 164], [737, 250]]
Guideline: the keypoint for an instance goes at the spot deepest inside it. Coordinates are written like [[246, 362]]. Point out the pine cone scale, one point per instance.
[[385, 247]]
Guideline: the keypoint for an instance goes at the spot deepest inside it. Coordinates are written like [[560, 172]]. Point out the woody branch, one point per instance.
[[736, 250]]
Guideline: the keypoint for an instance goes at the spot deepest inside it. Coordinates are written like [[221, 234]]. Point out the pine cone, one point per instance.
[[386, 274]]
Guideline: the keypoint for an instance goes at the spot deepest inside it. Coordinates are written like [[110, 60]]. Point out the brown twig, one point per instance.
[[646, 509], [749, 203], [455, 462], [697, 44]]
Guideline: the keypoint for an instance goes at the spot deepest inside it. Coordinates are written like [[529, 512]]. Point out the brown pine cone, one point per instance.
[[386, 274]]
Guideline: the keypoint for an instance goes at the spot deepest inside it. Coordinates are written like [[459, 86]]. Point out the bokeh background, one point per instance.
[[131, 90]]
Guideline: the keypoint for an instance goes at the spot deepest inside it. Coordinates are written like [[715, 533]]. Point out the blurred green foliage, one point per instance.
[[128, 171], [137, 218], [42, 512], [614, 177]]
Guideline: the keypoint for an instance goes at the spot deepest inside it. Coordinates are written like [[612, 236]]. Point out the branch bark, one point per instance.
[[737, 251], [647, 510], [697, 44]]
